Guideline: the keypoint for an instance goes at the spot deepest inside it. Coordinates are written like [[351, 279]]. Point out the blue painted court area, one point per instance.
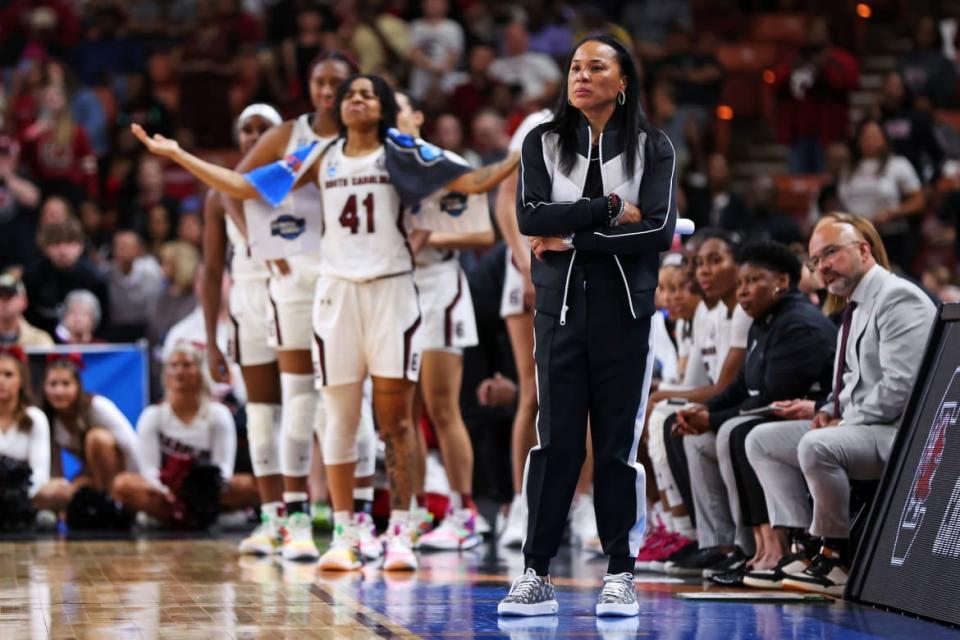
[[456, 596]]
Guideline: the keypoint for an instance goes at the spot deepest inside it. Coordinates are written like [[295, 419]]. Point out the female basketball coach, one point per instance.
[[597, 196]]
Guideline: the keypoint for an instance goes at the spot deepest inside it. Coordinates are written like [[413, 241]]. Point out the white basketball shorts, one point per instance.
[[366, 328], [447, 307]]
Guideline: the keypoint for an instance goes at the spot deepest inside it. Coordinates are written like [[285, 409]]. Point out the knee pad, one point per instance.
[[263, 436], [343, 408], [366, 439], [299, 404]]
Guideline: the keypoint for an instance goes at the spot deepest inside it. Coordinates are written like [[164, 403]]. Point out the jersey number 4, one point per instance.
[[349, 216]]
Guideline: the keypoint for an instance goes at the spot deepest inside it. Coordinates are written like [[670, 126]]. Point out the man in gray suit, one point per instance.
[[880, 346]]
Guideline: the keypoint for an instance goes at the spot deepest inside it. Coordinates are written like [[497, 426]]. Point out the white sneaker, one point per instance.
[[399, 554], [370, 546], [583, 524], [46, 520], [457, 532], [421, 521], [233, 520], [265, 540], [516, 529], [482, 525], [344, 551], [298, 541], [146, 521]]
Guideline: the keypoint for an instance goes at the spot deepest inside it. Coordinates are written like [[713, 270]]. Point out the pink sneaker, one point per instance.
[[653, 547], [457, 532], [399, 555]]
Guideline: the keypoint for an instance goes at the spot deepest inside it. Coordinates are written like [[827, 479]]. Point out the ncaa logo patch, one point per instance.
[[288, 227], [454, 203]]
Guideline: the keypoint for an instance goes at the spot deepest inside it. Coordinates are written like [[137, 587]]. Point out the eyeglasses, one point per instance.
[[827, 254]]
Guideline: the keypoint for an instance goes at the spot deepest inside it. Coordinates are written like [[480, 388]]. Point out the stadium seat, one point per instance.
[[744, 64], [745, 57], [780, 28]]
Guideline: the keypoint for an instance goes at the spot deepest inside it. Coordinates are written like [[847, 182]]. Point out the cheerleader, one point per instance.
[[24, 444], [87, 425], [187, 444]]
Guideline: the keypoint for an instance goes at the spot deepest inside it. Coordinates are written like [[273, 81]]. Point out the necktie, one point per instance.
[[842, 362]]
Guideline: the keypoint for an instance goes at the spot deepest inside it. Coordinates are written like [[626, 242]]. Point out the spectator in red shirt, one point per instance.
[[814, 86], [470, 97], [58, 150]]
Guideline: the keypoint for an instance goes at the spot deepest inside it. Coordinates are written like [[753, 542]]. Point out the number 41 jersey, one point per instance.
[[363, 231]]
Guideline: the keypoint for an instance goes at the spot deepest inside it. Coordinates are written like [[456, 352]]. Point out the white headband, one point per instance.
[[265, 111], [672, 259]]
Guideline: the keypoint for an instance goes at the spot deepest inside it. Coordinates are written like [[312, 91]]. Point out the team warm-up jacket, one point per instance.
[[550, 203], [790, 354]]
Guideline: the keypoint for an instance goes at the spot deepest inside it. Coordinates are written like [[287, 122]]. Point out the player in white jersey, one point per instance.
[[367, 311], [178, 436], [366, 308], [288, 237], [448, 327], [248, 347]]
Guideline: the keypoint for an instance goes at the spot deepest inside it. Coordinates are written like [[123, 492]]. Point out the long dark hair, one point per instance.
[[20, 416], [629, 117], [384, 92], [81, 405], [856, 154]]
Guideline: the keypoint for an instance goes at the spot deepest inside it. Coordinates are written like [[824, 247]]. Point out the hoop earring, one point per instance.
[[621, 98]]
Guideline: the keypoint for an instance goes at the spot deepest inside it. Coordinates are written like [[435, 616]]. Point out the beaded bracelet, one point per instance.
[[615, 207]]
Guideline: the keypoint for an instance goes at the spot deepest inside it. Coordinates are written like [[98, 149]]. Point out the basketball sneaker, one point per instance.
[[298, 541], [516, 529], [369, 545], [265, 540], [399, 555], [343, 554], [322, 516], [530, 595], [421, 521], [618, 597], [825, 574], [794, 562], [457, 532], [583, 524], [663, 546]]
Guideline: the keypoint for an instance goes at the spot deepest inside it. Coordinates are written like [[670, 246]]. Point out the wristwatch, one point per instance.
[[567, 240]]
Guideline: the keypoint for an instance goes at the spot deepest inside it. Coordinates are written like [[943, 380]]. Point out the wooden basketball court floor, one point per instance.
[[177, 587]]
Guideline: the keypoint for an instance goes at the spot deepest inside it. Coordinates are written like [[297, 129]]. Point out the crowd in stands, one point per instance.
[[101, 242]]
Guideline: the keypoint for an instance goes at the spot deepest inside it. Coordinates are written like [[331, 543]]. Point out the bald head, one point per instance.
[[841, 256]]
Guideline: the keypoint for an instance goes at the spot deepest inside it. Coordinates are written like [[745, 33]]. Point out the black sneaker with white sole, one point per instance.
[[826, 574], [736, 559], [694, 564], [732, 578], [618, 597], [530, 595], [792, 563]]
